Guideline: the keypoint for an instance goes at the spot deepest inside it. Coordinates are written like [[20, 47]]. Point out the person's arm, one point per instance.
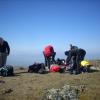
[[8, 48], [68, 58]]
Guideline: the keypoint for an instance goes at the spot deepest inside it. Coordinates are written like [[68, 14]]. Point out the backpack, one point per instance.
[[60, 61], [84, 69], [41, 71], [36, 68], [7, 70], [55, 68], [61, 70]]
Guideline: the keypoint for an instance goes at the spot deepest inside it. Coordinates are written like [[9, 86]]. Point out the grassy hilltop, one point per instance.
[[32, 86]]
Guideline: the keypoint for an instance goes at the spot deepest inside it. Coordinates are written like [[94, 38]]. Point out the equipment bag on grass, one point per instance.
[[85, 69], [60, 61], [37, 68], [85, 63], [41, 71], [7, 70], [55, 67]]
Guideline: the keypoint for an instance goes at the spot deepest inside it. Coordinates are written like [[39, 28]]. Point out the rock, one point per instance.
[[67, 92], [81, 88], [6, 90], [1, 81]]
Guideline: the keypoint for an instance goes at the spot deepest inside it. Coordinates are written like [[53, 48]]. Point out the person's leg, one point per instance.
[[45, 59], [0, 60], [77, 63], [84, 53], [48, 61], [4, 58], [53, 56]]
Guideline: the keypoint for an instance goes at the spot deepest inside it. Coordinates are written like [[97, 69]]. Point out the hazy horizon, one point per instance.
[[28, 59]]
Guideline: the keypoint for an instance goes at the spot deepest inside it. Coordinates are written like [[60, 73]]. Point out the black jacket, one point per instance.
[[74, 48], [74, 53], [5, 47]]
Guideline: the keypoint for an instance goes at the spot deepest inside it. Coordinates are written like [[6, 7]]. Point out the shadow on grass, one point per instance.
[[21, 72], [17, 74], [93, 70], [30, 72], [14, 75]]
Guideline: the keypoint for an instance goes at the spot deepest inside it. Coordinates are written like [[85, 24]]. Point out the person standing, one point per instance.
[[4, 51]]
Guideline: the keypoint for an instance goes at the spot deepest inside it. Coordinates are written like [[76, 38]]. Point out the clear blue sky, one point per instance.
[[30, 25]]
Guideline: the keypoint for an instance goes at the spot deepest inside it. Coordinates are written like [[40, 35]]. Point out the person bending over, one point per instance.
[[48, 53], [79, 55]]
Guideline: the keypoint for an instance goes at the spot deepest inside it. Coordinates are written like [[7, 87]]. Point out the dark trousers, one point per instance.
[[82, 54], [47, 59], [77, 63], [3, 59], [79, 58]]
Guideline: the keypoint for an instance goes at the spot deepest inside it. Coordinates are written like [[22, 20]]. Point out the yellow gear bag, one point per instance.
[[85, 63]]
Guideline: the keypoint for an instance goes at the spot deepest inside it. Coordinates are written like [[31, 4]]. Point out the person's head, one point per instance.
[[66, 53], [1, 40]]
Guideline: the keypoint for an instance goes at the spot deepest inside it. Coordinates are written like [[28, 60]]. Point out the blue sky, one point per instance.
[[30, 25]]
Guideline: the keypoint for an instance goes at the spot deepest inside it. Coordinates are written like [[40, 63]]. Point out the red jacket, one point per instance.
[[48, 51]]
